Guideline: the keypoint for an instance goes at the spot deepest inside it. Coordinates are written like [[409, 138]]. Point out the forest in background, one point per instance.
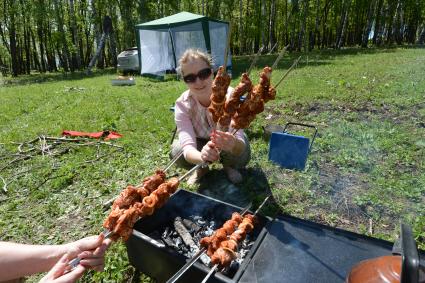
[[52, 35]]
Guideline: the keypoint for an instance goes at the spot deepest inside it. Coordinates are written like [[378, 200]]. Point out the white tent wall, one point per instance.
[[218, 38], [188, 36], [156, 50]]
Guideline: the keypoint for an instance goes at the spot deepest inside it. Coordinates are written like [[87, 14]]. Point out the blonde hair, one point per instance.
[[191, 54]]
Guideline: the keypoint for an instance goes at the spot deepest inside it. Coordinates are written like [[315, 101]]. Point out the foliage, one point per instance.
[[37, 34]]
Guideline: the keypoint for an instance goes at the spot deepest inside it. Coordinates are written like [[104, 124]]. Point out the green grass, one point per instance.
[[366, 167]]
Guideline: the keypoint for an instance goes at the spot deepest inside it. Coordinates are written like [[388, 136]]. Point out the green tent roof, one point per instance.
[[175, 20]]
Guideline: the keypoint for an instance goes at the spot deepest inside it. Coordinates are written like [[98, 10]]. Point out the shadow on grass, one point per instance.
[[40, 78], [253, 188], [316, 58]]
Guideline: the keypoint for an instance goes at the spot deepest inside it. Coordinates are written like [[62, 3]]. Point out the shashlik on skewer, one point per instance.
[[218, 96], [254, 102], [227, 246], [132, 194], [212, 243], [232, 104], [121, 221]]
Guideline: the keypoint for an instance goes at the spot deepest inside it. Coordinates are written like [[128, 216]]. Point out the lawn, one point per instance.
[[365, 172]]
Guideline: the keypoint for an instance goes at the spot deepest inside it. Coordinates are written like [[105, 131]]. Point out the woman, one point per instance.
[[195, 126]]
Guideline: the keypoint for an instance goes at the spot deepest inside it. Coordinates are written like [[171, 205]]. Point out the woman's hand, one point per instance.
[[223, 140], [90, 250], [209, 152], [59, 273]]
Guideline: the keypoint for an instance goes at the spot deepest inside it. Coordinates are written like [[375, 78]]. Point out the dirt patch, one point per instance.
[[366, 111]]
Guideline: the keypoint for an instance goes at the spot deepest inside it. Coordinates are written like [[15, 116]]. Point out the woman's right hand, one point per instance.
[[209, 152]]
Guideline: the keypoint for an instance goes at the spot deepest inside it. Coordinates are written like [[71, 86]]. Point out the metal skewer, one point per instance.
[[192, 170], [215, 267], [188, 264], [173, 160], [288, 71], [212, 271]]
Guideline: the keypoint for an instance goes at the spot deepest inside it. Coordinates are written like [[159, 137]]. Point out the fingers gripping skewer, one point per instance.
[[288, 71], [215, 267], [76, 261], [185, 267]]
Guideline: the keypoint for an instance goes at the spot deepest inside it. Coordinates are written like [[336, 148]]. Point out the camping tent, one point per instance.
[[161, 42]]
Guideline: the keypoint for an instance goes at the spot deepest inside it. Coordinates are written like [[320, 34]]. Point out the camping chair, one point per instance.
[[288, 150]]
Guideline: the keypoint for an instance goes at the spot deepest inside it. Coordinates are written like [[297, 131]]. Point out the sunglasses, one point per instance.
[[202, 75]]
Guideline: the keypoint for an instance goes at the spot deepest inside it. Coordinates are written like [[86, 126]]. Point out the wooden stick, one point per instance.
[[255, 60], [280, 56], [226, 50], [288, 71]]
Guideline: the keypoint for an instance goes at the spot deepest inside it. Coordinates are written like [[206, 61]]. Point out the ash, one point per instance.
[[188, 244]]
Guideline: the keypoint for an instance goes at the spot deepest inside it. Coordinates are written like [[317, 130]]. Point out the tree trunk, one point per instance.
[[377, 29], [64, 45], [368, 28], [272, 36], [344, 19], [325, 24], [263, 25], [421, 38], [240, 31], [397, 31], [12, 40], [35, 53], [316, 33], [76, 59], [302, 32]]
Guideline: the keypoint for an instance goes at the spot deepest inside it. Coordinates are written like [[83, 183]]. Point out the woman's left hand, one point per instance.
[[223, 140]]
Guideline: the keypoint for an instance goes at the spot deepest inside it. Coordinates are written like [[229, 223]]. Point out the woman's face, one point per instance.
[[195, 72]]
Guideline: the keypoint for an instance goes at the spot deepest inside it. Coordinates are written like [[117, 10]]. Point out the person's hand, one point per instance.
[[223, 140], [90, 250], [58, 273], [209, 152]]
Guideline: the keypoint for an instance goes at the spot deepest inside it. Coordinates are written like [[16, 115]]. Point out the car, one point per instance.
[[128, 61]]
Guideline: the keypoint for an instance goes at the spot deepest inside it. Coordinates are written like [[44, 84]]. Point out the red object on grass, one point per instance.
[[107, 135]]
